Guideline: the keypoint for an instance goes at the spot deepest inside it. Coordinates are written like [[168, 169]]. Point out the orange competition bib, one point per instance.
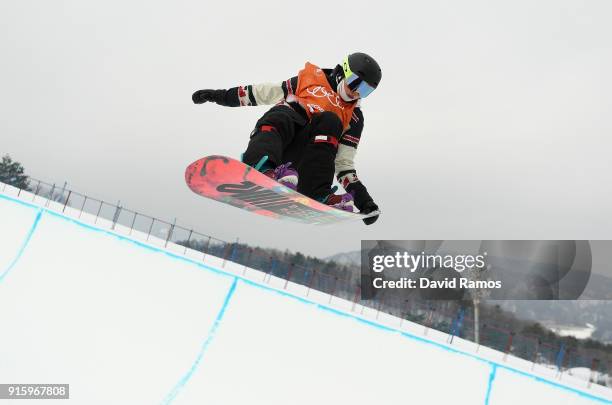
[[316, 95]]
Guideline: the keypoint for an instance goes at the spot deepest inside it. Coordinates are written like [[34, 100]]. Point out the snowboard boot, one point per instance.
[[340, 201], [285, 175]]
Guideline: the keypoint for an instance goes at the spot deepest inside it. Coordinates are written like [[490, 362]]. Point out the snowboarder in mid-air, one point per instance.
[[315, 126]]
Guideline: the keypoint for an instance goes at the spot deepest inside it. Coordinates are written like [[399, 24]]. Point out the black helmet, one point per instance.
[[363, 66], [361, 72]]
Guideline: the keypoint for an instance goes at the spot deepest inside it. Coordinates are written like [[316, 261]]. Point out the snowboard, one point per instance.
[[232, 182]]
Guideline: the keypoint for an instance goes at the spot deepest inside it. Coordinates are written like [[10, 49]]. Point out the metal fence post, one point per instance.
[[567, 361], [381, 300], [67, 199], [429, 320], [50, 195], [170, 233], [225, 254], [98, 213], [269, 274], [560, 354], [133, 222], [288, 275], [248, 261], [83, 206], [208, 245], [536, 352], [311, 282], [64, 188], [35, 191], [356, 298], [593, 376], [232, 256], [150, 228], [116, 214], [205, 249], [456, 325], [188, 244], [508, 345]]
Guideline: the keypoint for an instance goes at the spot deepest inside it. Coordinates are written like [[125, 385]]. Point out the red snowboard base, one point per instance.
[[232, 182]]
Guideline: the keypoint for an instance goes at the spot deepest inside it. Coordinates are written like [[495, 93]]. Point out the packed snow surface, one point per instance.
[[124, 320]]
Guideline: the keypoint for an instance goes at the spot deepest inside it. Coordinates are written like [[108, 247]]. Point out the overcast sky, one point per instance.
[[492, 120]]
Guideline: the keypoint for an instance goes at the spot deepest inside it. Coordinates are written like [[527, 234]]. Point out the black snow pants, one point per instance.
[[284, 136]]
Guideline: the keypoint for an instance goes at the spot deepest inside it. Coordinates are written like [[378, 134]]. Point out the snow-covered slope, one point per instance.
[[127, 321]]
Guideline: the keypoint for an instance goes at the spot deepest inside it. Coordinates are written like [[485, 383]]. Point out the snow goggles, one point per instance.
[[354, 82]]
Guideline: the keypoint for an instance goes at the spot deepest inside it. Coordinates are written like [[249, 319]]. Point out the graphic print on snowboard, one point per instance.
[[232, 182]]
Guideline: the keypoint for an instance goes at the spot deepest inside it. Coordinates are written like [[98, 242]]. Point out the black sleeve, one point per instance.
[[352, 136], [351, 139], [231, 97], [348, 178]]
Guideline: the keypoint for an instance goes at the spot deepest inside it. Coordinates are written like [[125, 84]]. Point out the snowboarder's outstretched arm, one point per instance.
[[249, 95], [345, 167]]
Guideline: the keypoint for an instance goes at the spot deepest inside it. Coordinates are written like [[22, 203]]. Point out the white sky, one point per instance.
[[492, 120]]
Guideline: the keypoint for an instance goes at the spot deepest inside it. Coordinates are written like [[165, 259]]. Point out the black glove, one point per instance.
[[202, 96], [369, 206], [363, 201]]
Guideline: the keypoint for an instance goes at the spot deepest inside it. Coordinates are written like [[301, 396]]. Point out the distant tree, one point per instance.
[[299, 259], [11, 172], [535, 329]]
